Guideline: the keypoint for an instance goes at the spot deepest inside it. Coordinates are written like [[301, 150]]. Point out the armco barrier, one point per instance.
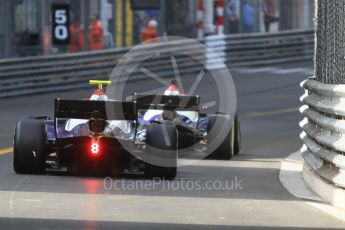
[[32, 75], [324, 130]]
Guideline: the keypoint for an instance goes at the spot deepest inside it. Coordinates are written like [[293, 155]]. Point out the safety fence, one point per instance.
[[324, 130], [32, 75]]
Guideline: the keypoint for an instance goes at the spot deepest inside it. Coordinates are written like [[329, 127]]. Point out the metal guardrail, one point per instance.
[[32, 75], [324, 130]]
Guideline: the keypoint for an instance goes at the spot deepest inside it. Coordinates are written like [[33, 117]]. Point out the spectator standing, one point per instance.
[[233, 10], [108, 40], [75, 45], [150, 33], [47, 40], [81, 37], [248, 17], [96, 34], [269, 11]]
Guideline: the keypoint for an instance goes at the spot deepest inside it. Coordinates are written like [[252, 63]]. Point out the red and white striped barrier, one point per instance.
[[220, 17], [200, 18]]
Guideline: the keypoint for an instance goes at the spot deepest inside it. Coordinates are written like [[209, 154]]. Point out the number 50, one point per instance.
[[61, 30]]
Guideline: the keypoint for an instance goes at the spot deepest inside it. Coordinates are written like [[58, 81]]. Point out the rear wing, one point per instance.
[[162, 102], [86, 110]]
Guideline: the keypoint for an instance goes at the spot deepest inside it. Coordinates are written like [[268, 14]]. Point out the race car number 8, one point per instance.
[[95, 148]]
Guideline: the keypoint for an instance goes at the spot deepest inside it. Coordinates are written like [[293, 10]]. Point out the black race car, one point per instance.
[[145, 136]]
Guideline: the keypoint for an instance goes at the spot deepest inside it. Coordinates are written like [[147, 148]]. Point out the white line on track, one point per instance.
[[6, 151]]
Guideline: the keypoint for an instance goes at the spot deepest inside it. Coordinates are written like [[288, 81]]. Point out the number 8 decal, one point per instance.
[[94, 148]]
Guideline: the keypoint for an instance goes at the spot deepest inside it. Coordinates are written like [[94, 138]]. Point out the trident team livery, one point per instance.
[[142, 136]]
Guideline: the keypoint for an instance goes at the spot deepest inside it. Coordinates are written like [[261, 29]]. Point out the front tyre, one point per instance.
[[29, 154]]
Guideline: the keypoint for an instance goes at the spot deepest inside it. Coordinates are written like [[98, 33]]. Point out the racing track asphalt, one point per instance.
[[268, 101]]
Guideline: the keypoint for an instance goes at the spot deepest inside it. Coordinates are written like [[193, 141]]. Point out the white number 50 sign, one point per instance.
[[61, 23]]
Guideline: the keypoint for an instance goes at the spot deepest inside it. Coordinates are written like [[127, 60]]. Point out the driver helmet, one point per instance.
[[99, 95], [172, 90]]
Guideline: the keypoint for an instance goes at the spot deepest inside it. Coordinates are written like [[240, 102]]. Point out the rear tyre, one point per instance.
[[29, 155], [238, 136], [226, 148], [161, 142]]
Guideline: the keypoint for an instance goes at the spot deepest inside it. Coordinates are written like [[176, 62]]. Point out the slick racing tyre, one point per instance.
[[226, 149], [29, 156]]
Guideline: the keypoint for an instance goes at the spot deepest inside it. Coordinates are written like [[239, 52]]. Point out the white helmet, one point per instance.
[[172, 91], [99, 95], [153, 23]]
